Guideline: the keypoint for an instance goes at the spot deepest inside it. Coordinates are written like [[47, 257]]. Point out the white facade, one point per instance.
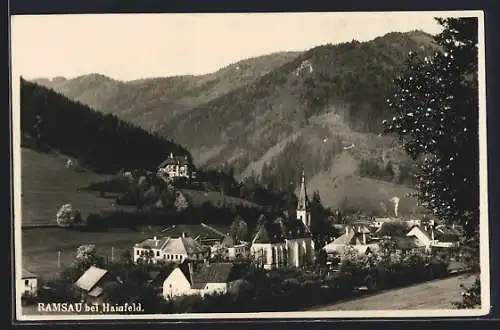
[[240, 250], [167, 250], [28, 286], [176, 284], [294, 253], [176, 171], [214, 288], [429, 242]]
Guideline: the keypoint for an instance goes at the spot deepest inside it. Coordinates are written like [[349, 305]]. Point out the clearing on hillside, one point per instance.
[[47, 183]]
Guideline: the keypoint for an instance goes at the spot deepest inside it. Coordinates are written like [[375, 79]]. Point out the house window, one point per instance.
[[26, 282], [157, 253], [138, 252]]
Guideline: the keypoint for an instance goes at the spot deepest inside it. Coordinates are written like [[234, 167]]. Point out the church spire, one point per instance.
[[303, 200], [303, 212]]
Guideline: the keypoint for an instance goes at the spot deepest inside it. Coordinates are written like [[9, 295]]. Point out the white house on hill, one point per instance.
[[176, 167], [169, 249], [207, 278]]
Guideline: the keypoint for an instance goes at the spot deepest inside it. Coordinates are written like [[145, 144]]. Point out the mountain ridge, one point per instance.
[[319, 102]]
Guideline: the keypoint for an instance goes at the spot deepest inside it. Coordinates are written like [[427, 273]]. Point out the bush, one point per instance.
[[471, 296], [67, 217]]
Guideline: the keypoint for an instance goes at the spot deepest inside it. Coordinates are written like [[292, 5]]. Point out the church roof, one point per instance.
[[281, 229]]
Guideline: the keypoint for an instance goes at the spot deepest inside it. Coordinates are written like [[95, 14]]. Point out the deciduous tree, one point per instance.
[[435, 110]]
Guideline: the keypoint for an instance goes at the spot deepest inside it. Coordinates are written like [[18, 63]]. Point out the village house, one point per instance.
[[206, 278], [430, 237], [169, 249], [379, 222], [177, 167], [356, 237], [28, 284], [94, 283], [231, 249]]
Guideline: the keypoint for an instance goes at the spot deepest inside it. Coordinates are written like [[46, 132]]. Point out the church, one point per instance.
[[286, 241]]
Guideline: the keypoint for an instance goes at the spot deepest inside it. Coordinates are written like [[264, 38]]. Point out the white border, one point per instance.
[[484, 236]]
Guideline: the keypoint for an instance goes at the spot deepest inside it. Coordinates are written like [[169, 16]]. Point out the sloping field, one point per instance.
[[439, 294], [46, 184]]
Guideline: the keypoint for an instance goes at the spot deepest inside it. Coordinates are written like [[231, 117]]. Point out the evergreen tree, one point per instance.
[[239, 229], [436, 116]]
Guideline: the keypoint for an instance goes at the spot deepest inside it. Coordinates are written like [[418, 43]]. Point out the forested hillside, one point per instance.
[[100, 142], [272, 117]]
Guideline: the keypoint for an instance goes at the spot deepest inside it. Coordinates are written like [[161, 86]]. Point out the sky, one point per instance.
[[134, 46]]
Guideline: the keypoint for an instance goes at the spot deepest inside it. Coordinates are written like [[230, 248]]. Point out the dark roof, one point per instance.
[[392, 229], [152, 243], [26, 274], [280, 230], [405, 243], [213, 273], [175, 160], [228, 241], [445, 234]]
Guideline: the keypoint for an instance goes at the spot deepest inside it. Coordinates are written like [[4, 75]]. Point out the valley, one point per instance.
[[245, 114]]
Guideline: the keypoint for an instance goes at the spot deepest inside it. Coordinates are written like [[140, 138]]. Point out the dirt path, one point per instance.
[[430, 295]]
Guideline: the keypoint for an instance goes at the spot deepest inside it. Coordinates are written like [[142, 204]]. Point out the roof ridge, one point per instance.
[[165, 243]]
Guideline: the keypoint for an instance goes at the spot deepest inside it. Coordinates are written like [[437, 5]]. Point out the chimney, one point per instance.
[[171, 155], [364, 237], [183, 234]]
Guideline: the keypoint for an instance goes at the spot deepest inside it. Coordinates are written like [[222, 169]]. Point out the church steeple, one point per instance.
[[303, 200], [303, 212]]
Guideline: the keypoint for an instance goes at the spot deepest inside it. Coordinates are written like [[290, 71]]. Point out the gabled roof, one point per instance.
[[179, 245], [281, 229], [268, 233], [183, 245], [152, 243], [213, 273], [422, 230], [90, 278], [175, 160], [344, 239], [26, 274]]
